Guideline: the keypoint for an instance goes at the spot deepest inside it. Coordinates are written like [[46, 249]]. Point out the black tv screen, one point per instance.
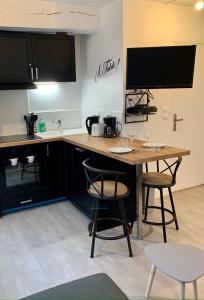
[[160, 67]]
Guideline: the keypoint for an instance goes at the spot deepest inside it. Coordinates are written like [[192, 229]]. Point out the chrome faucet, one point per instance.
[[59, 124]]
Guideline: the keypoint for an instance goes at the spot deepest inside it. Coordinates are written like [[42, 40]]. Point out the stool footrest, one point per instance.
[[160, 223], [103, 237]]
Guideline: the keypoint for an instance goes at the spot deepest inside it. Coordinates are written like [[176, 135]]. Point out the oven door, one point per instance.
[[22, 170]]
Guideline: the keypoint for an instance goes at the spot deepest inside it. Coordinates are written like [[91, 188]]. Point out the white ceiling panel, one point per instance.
[[178, 2], [97, 3]]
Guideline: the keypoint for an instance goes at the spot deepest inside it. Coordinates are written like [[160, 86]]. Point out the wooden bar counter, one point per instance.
[[139, 156], [136, 158]]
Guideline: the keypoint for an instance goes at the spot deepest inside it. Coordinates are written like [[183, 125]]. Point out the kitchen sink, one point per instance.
[[56, 133]]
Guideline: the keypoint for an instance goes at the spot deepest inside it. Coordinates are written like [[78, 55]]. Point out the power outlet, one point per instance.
[[165, 113]]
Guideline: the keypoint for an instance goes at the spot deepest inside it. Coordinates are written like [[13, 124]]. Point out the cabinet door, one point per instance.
[[68, 170], [81, 197], [14, 58], [55, 169], [53, 58]]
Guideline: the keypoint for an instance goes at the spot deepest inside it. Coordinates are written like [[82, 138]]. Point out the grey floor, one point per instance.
[[47, 246]]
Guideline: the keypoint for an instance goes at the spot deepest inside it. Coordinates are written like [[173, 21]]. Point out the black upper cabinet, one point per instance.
[[53, 58], [28, 58], [14, 58]]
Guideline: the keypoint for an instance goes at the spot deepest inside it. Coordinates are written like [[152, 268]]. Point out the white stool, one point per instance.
[[181, 262]]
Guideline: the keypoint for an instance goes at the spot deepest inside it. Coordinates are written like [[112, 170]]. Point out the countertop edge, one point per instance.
[[68, 139]]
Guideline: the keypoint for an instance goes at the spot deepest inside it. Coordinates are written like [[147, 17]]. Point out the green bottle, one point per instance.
[[41, 126]]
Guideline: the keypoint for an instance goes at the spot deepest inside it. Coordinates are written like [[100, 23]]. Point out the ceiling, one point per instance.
[[100, 3], [178, 2], [97, 3]]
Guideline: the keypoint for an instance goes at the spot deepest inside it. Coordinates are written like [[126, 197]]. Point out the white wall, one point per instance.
[[105, 95], [149, 23], [13, 105]]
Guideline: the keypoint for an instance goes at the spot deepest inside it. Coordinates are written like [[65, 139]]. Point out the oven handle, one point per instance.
[[47, 150], [26, 201]]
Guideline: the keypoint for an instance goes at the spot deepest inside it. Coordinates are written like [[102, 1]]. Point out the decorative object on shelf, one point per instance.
[[106, 67], [137, 106]]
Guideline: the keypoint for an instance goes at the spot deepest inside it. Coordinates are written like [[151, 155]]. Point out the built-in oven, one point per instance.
[[22, 174]]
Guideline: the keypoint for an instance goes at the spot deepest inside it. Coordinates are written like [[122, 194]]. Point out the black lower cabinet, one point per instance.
[[107, 208], [55, 168], [30, 175], [23, 199], [33, 174], [80, 196], [23, 176]]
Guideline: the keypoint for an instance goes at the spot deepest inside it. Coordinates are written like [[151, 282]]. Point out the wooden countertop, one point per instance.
[[29, 142], [139, 156], [101, 146]]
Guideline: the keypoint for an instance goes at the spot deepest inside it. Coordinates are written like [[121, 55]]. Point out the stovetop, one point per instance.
[[18, 138]]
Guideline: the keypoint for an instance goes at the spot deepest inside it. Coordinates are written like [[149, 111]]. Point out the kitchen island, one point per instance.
[[101, 146]]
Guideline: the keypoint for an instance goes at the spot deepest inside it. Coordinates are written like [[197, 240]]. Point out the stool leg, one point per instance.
[[125, 226], [163, 215], [143, 200], [23, 170], [90, 226], [146, 204], [94, 229], [150, 281], [173, 208], [195, 290], [182, 291], [131, 227]]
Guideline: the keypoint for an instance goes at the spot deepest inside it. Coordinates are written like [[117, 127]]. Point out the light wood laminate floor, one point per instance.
[[47, 246]]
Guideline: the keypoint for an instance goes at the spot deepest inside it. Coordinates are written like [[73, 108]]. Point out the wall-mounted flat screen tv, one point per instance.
[[160, 67]]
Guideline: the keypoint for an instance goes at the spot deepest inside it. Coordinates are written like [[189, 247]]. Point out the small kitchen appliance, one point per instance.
[[97, 129], [112, 127], [90, 121]]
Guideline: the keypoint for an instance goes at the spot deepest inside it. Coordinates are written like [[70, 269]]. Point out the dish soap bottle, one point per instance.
[[41, 126]]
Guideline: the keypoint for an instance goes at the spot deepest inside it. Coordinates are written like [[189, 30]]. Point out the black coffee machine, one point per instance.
[[111, 127], [90, 121]]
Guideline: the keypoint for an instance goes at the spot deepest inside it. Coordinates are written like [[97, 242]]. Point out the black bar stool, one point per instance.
[[159, 180], [104, 185]]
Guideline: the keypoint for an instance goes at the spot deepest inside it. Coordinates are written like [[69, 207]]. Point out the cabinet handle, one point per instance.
[[47, 150], [26, 201], [81, 150], [32, 74], [36, 72]]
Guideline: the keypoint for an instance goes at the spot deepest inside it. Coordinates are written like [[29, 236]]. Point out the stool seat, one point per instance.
[[156, 179], [181, 262], [108, 189]]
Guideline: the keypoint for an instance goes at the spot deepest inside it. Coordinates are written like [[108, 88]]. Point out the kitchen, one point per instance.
[[74, 102]]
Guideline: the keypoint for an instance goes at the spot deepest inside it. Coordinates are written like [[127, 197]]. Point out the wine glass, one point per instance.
[[131, 135], [147, 134]]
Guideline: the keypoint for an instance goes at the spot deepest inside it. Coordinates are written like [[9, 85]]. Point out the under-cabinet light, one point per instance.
[[47, 87]]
